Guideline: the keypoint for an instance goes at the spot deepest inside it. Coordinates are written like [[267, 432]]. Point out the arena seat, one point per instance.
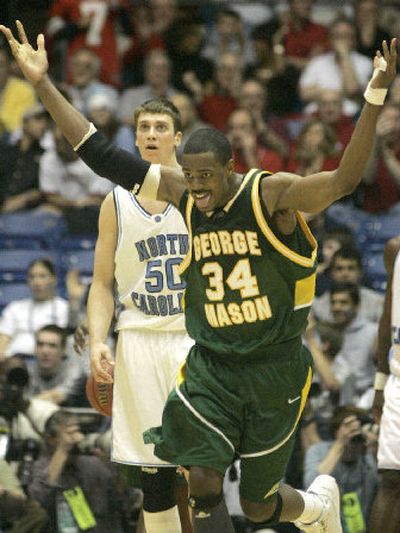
[[44, 230], [14, 263]]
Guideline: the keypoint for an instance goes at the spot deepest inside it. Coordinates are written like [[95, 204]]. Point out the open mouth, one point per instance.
[[151, 147], [202, 199]]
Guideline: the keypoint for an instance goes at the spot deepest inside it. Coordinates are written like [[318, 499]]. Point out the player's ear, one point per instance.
[[178, 138]]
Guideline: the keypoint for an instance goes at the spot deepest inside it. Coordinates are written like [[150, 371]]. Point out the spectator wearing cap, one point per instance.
[[102, 110], [19, 163], [16, 95]]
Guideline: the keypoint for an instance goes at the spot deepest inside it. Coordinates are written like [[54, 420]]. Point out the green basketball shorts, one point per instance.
[[221, 410]]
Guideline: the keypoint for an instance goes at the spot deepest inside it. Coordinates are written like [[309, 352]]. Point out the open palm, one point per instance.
[[33, 63]]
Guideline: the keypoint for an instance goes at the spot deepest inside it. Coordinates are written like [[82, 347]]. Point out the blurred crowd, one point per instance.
[[284, 81]]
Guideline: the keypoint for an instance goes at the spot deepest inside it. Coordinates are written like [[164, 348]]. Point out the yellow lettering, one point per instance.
[[223, 317], [211, 316], [226, 242], [239, 242], [205, 245], [197, 248], [215, 245], [249, 311], [263, 308], [252, 241], [235, 313]]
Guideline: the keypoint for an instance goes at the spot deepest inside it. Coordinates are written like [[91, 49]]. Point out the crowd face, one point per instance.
[[330, 106], [41, 282], [209, 182], [343, 34], [186, 109], [85, 67], [345, 271], [156, 138], [240, 125], [49, 352], [343, 308], [36, 126], [228, 71], [301, 8], [157, 70], [252, 97]]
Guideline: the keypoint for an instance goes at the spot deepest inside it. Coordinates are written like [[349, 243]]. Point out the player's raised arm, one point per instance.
[[317, 191], [105, 159]]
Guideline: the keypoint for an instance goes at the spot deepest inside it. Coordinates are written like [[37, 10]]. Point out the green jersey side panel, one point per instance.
[[247, 290]]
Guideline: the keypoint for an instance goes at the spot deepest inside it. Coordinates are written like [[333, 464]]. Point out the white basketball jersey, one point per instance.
[[149, 251], [395, 361]]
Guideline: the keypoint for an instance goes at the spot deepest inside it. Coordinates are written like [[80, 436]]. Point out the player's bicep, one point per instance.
[[106, 243], [172, 185], [310, 194]]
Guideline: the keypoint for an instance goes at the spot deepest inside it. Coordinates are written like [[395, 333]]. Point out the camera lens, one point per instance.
[[18, 376]]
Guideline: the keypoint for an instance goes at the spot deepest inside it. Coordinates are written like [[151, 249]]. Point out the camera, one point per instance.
[[367, 424], [12, 391]]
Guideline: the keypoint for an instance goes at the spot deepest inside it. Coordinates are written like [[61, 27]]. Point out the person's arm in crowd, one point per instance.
[[4, 342], [100, 155], [349, 428], [100, 306], [20, 201], [316, 192], [351, 85], [392, 163], [385, 329], [322, 363]]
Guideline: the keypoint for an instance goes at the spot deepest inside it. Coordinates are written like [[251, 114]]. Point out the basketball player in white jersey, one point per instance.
[[385, 516], [140, 244]]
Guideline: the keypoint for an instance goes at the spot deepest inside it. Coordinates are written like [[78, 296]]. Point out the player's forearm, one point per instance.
[[100, 311], [71, 122], [353, 163]]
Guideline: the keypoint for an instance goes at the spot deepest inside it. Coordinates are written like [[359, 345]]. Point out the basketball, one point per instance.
[[100, 395]]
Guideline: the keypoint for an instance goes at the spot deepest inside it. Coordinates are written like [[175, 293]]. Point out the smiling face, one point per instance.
[[210, 183], [156, 138]]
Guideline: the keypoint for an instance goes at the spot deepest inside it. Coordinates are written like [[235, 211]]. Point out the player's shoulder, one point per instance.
[[392, 248]]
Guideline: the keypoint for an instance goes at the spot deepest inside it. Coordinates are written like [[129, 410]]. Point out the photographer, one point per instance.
[[18, 514], [65, 481], [25, 416], [350, 457]]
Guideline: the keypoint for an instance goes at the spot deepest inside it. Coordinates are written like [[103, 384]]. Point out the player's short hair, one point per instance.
[[347, 252], [209, 140], [53, 328], [350, 288], [159, 106]]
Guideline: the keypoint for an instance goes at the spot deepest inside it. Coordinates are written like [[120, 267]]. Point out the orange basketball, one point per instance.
[[100, 395]]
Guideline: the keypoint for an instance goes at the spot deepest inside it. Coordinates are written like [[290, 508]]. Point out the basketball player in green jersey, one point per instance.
[[250, 276]]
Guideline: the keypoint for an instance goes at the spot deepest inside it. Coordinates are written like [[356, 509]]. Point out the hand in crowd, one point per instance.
[[70, 436], [349, 428]]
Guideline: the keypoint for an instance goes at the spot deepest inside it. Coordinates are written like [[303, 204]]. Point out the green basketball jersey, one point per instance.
[[246, 290]]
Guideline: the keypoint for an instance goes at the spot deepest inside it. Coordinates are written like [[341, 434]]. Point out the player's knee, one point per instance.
[[268, 512], [158, 486], [390, 480], [204, 481]]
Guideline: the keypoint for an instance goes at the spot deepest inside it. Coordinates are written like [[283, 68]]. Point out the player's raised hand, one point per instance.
[[33, 63], [383, 78]]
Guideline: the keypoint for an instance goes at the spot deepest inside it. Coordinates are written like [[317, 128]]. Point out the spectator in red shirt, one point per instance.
[[91, 25], [247, 151], [216, 107], [330, 111], [315, 150], [382, 176]]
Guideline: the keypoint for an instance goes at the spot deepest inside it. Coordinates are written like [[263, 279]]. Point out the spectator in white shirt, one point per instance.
[[21, 319], [343, 69]]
